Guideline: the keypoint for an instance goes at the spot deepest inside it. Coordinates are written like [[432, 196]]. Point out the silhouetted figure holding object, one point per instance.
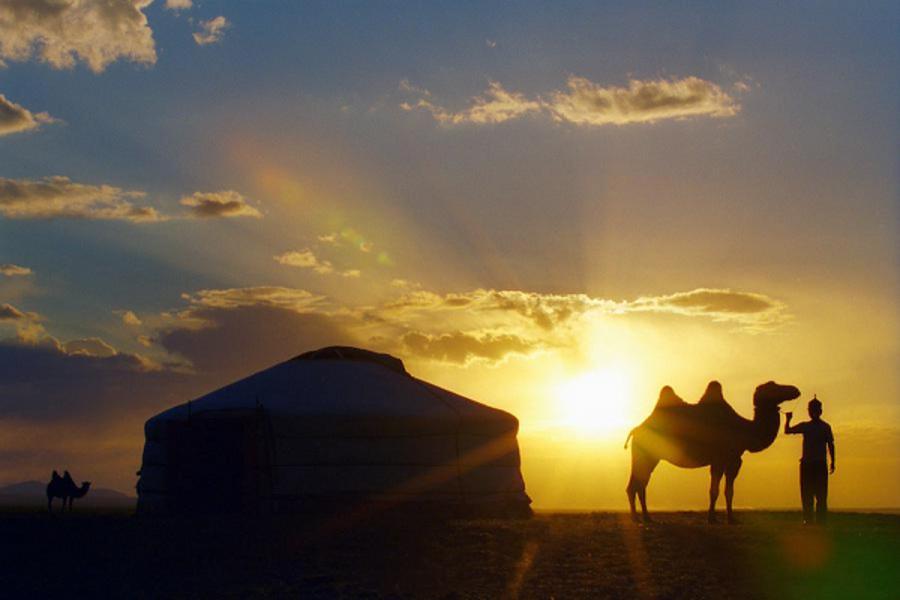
[[64, 487], [817, 436]]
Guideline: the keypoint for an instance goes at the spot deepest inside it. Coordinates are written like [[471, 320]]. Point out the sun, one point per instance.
[[596, 402]]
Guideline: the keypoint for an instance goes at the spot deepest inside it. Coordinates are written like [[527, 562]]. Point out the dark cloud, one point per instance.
[[462, 348], [751, 310], [44, 381], [237, 341], [8, 312]]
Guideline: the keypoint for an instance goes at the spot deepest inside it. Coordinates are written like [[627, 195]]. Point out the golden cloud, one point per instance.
[[211, 31], [587, 103], [63, 32], [11, 270], [15, 117], [225, 203], [495, 106], [60, 197]]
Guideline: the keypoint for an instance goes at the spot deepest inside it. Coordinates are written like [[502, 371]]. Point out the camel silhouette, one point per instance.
[[64, 487], [707, 433]]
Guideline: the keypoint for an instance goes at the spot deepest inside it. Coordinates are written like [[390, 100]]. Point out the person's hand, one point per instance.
[[831, 471]]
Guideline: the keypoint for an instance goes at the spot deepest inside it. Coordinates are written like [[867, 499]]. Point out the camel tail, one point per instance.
[[630, 434]]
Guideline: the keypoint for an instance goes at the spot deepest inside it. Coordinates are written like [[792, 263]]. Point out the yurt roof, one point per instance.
[[340, 382]]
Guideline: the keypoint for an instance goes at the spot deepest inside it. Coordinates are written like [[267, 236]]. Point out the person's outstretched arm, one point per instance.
[[787, 424]]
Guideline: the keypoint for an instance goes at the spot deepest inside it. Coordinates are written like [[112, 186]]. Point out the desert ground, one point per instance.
[[110, 553]]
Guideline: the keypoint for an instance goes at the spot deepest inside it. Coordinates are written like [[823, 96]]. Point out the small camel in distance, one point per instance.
[[707, 433], [64, 487]]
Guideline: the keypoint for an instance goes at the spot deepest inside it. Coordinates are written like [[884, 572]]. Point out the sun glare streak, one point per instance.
[[597, 402]]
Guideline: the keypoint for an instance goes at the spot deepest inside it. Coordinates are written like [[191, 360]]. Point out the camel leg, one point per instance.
[[715, 477], [642, 465], [731, 473]]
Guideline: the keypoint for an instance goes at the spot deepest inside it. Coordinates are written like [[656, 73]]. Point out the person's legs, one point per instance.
[[806, 492], [822, 494]]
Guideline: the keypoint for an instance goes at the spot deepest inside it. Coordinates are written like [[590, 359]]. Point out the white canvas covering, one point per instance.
[[334, 424]]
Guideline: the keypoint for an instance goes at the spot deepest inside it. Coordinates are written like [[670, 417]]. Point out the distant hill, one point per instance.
[[28, 493]]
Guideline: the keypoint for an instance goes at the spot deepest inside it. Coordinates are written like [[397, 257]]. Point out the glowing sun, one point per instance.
[[596, 402]]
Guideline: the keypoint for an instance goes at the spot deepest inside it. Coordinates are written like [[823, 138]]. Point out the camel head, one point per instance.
[[770, 394]]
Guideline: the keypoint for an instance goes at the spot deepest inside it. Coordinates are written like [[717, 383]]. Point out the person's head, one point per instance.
[[815, 408]]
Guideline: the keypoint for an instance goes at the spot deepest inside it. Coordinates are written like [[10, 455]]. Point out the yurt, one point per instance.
[[336, 427]]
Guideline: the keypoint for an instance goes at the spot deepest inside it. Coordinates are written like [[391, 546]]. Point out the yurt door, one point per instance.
[[215, 466]]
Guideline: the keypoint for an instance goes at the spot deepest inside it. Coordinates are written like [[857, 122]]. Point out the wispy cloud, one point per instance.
[[211, 31], [60, 197], [586, 103], [496, 105], [15, 118], [306, 259], [11, 270], [179, 4], [226, 203], [61, 33], [752, 310]]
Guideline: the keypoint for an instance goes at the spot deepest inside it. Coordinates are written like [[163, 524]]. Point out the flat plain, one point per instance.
[[97, 553]]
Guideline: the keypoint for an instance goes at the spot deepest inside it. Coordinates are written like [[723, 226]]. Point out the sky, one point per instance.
[[554, 209]]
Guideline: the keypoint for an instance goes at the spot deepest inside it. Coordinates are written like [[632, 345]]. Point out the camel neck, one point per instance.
[[765, 428]]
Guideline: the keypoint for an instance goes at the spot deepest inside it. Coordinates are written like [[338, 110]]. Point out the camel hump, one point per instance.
[[668, 398]]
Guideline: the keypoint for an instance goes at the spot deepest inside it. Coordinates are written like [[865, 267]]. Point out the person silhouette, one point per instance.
[[814, 473]]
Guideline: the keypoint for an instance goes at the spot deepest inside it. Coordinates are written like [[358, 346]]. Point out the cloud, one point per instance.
[[179, 4], [294, 299], [60, 197], [226, 203], [93, 346], [211, 31], [238, 340], [754, 311], [495, 106], [11, 270], [15, 117], [545, 311], [52, 381], [129, 318], [306, 259], [8, 312], [463, 348], [64, 32], [587, 103], [26, 324], [590, 104]]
